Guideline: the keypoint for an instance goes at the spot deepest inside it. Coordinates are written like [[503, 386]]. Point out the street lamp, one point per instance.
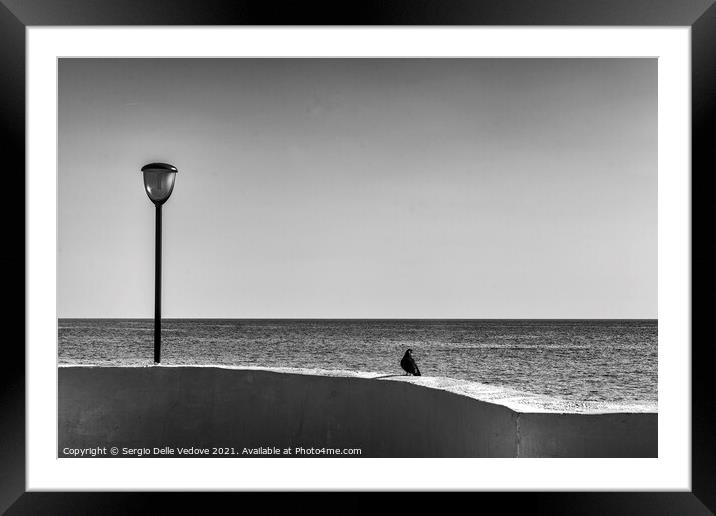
[[159, 183]]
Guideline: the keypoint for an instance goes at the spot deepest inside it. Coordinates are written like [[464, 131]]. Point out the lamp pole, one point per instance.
[[158, 183], [158, 285]]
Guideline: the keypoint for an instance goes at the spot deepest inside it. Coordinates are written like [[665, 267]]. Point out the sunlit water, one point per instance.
[[575, 360]]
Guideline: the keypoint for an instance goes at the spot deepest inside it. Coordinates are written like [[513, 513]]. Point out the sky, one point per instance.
[[360, 188]]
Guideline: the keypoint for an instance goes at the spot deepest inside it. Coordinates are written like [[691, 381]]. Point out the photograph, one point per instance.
[[357, 257]]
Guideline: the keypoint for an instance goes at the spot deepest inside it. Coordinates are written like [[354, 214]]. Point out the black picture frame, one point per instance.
[[16, 15]]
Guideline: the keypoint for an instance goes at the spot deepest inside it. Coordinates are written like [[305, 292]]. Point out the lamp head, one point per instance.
[[159, 181]]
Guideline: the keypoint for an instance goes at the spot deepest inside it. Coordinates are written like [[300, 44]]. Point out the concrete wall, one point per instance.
[[206, 407]]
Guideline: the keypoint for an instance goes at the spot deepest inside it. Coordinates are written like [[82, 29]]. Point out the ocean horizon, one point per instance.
[[579, 361]]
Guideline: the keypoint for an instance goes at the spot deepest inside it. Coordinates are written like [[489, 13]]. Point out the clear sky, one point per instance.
[[361, 188]]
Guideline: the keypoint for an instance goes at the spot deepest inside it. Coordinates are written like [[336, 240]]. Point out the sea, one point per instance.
[[579, 361]]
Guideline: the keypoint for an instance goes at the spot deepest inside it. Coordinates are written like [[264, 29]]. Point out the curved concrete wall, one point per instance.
[[206, 407]]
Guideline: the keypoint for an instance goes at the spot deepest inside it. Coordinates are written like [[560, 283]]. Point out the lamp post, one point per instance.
[[159, 183]]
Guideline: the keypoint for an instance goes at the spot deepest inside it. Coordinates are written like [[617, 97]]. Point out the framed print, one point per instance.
[[435, 248]]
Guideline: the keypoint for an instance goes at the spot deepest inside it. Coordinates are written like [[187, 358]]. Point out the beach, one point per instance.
[[160, 411]]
